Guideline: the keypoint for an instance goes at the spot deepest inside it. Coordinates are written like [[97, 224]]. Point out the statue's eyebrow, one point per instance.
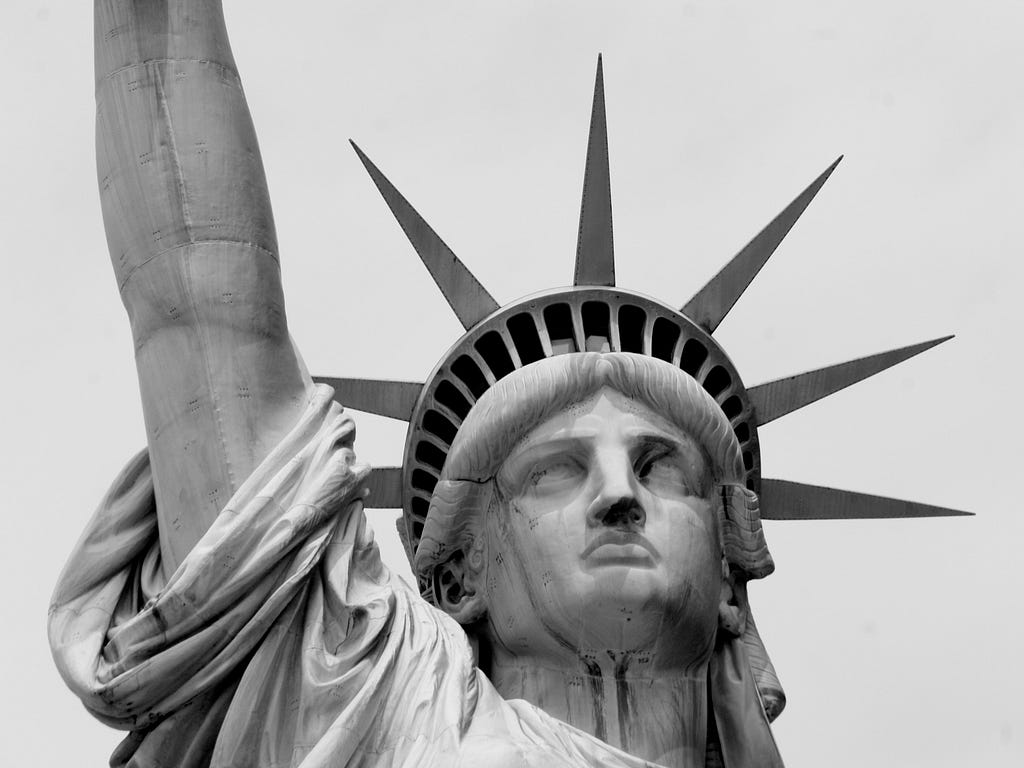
[[671, 438], [643, 438], [549, 446], [681, 444], [527, 455]]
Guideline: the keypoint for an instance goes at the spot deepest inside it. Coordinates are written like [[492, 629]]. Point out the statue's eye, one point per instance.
[[555, 474], [661, 468]]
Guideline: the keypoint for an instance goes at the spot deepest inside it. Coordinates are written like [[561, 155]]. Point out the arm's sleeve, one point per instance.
[[192, 242], [281, 634], [137, 649]]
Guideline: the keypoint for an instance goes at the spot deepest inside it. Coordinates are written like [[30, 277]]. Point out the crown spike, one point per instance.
[[595, 252], [786, 500], [464, 293], [777, 398], [385, 484], [395, 399], [712, 302]]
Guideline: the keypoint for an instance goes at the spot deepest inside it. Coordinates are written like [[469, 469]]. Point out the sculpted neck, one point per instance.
[[658, 715]]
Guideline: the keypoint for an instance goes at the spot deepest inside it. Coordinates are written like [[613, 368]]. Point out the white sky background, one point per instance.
[[898, 643]]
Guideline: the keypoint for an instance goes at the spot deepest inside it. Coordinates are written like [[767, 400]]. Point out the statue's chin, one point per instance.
[[621, 609]]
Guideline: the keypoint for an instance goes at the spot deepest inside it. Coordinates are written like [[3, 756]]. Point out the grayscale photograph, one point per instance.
[[435, 384]]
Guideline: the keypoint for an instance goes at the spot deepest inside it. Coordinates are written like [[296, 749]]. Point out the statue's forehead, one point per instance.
[[602, 415]]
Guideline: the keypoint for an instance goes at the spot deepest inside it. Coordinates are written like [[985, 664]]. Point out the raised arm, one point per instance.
[[191, 237]]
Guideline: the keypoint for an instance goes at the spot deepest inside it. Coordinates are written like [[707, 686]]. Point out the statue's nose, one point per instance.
[[617, 505], [625, 513]]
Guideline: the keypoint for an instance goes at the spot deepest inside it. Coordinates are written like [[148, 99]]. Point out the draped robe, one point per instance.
[[282, 640]]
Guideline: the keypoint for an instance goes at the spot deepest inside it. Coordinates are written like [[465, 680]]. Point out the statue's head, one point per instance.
[[582, 466], [595, 502]]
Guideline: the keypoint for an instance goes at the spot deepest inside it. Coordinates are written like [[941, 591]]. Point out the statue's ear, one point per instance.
[[732, 604], [455, 589]]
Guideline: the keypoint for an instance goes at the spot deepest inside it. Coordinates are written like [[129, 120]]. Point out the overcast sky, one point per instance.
[[898, 642]]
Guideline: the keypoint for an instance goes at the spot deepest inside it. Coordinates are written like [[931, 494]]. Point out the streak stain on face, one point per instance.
[[604, 537]]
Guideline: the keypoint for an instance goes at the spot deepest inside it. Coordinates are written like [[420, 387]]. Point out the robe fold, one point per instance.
[[282, 640]]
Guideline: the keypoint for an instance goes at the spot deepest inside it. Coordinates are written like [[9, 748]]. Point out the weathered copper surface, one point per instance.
[[581, 485], [777, 398], [467, 297], [786, 500], [712, 303], [395, 399], [595, 249]]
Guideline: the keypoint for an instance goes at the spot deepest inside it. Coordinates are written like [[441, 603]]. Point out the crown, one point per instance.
[[595, 315]]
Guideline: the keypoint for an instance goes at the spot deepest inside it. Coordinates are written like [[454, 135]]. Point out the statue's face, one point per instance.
[[603, 537]]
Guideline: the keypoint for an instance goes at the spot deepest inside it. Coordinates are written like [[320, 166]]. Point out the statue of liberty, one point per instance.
[[581, 488]]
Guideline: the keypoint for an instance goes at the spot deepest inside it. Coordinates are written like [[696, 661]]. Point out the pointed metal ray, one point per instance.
[[595, 254], [470, 300], [712, 302], [786, 500], [395, 399], [385, 484], [782, 396]]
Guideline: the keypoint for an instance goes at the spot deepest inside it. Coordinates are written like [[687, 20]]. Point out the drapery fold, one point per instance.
[[282, 641], [125, 643]]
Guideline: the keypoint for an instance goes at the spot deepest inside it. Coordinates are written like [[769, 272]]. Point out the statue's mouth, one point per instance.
[[615, 547]]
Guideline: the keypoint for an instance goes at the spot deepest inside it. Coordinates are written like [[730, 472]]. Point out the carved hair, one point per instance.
[[529, 396], [518, 403]]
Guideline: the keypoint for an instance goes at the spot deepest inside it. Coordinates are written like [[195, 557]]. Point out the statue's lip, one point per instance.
[[620, 538]]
